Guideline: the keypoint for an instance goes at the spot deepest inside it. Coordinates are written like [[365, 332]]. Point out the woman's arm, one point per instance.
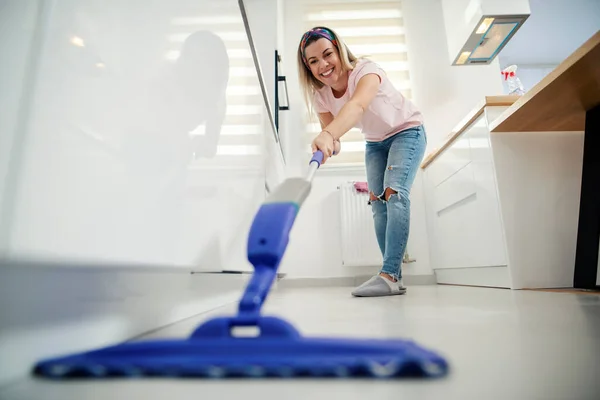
[[349, 115], [353, 110], [326, 119]]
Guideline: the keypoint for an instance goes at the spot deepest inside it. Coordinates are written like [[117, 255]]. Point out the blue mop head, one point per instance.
[[278, 350]]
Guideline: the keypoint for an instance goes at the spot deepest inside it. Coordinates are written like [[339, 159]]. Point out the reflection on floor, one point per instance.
[[501, 344]]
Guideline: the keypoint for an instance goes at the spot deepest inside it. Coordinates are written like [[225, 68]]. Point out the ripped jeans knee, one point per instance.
[[385, 196], [388, 193], [372, 197]]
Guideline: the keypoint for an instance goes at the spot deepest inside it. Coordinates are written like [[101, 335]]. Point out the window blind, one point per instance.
[[371, 29]]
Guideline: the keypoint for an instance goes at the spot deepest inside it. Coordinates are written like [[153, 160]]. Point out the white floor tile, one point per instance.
[[501, 344]]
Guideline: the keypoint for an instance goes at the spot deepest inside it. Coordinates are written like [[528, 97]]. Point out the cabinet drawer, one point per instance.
[[455, 189], [450, 161], [467, 223]]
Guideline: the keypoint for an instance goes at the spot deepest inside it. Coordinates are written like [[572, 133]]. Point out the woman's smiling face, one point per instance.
[[324, 62]]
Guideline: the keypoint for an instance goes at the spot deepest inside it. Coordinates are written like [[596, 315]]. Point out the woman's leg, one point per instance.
[[404, 157], [376, 155]]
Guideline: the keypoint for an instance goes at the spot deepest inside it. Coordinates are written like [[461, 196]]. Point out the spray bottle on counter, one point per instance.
[[515, 87]]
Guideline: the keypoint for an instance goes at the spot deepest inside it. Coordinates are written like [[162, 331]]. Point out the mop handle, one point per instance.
[[269, 237], [315, 164], [317, 157]]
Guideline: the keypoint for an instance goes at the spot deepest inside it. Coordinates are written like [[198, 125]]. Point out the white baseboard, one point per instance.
[[48, 310], [479, 276]]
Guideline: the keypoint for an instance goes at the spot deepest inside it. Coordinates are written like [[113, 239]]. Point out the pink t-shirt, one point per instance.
[[388, 113]]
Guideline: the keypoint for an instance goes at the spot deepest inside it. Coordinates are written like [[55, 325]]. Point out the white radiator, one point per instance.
[[359, 243]]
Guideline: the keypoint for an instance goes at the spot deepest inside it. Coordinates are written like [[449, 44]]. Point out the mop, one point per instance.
[[270, 347]]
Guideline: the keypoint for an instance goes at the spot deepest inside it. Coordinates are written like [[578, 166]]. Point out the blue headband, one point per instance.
[[316, 33]]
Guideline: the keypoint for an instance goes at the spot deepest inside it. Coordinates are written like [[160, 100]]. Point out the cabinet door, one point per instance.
[[450, 161], [455, 208], [18, 22], [490, 246], [464, 211], [144, 142]]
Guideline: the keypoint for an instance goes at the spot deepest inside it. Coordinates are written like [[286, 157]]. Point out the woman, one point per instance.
[[348, 92]]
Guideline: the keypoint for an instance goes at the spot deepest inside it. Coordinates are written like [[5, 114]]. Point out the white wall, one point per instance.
[[462, 16], [504, 7], [555, 29], [315, 246], [457, 27], [444, 93], [314, 250]]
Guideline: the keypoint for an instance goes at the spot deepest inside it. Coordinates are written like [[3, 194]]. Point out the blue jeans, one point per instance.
[[393, 163]]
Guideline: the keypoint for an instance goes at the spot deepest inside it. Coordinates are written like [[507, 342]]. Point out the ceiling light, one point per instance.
[[484, 26], [490, 35]]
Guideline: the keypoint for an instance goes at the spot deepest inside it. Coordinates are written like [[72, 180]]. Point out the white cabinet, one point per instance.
[[463, 208], [502, 208], [132, 147], [18, 21]]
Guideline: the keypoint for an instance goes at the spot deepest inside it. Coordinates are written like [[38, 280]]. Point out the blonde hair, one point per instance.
[[308, 83]]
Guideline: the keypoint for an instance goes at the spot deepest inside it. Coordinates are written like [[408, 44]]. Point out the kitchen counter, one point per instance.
[[488, 101], [512, 194], [560, 101], [568, 100]]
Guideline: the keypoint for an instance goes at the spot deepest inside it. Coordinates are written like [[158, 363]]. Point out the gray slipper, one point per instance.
[[379, 286]]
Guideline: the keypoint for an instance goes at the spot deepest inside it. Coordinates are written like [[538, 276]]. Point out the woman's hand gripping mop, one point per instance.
[[277, 350]]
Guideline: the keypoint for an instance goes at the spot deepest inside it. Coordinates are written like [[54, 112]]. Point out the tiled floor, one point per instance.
[[501, 344]]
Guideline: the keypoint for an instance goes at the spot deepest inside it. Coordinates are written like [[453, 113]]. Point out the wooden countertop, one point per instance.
[[559, 101], [468, 120]]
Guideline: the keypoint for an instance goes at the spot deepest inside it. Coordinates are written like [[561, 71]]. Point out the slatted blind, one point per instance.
[[241, 141], [371, 29]]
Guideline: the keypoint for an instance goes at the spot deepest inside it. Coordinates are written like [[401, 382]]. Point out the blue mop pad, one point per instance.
[[275, 349]]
